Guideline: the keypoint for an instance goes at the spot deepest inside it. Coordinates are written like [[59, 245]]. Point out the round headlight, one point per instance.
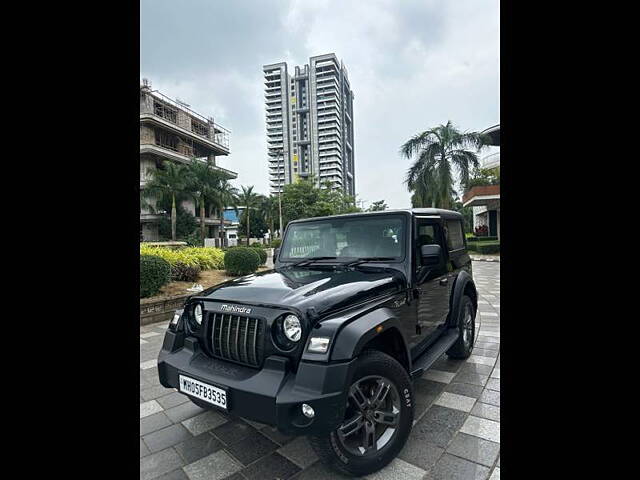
[[197, 313], [292, 328]]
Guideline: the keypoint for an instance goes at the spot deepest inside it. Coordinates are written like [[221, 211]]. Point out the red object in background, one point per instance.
[[482, 231]]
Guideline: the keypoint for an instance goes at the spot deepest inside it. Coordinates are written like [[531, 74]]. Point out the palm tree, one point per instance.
[[226, 196], [269, 211], [202, 183], [250, 200], [439, 152], [169, 181]]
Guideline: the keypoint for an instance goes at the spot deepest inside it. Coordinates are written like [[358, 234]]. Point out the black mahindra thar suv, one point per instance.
[[327, 343]]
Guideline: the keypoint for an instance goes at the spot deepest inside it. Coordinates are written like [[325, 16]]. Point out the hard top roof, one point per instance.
[[414, 211]]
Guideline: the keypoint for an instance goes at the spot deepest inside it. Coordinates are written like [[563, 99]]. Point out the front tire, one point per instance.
[[467, 325], [378, 418]]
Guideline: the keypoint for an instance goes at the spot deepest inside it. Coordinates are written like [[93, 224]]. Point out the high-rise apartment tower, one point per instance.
[[309, 117]]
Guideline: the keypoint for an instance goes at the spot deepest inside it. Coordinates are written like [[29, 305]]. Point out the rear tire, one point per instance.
[[467, 325], [378, 418]]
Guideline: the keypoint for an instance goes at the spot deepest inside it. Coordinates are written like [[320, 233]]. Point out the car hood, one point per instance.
[[314, 292]]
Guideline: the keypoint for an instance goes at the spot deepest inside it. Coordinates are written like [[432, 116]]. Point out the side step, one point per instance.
[[434, 352]]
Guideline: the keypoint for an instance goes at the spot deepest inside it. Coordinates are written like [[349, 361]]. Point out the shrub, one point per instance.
[[207, 258], [262, 253], [154, 273], [257, 245], [276, 242], [182, 272], [484, 247], [241, 260]]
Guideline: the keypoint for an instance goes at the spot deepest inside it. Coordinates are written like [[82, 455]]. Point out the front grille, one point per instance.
[[237, 338]]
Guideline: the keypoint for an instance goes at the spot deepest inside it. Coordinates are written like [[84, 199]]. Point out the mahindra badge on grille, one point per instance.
[[235, 309]]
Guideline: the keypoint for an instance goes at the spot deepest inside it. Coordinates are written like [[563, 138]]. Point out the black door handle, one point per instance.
[[444, 281]]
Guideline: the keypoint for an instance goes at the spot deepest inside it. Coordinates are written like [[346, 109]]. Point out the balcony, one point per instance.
[[487, 195], [160, 110], [166, 152]]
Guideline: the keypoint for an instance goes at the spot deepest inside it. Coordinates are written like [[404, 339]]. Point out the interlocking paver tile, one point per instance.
[[154, 392], [153, 422], [275, 435], [173, 475], [466, 389], [446, 364], [172, 399], [233, 431], [252, 447], [398, 468], [203, 422], [149, 364], [438, 376], [181, 412], [472, 378], [485, 353], [481, 427], [420, 451], [166, 437], [495, 373], [149, 408], [299, 452], [148, 334], [216, 466], [487, 345], [455, 401], [274, 466], [490, 396], [159, 463], [450, 467], [475, 449], [485, 410], [143, 449], [494, 384], [142, 342], [476, 368], [481, 360], [198, 447], [319, 471], [495, 475]]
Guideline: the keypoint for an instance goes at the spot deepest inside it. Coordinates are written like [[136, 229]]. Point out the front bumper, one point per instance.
[[272, 395]]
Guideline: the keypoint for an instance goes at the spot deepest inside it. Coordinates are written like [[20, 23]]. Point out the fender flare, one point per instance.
[[462, 280], [352, 338]]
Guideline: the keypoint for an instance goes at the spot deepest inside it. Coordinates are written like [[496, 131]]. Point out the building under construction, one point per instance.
[[171, 131]]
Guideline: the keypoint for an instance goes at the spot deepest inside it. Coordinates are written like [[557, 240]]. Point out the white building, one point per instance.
[[309, 120], [485, 200]]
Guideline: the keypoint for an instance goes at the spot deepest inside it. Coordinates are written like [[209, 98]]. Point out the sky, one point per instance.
[[412, 65]]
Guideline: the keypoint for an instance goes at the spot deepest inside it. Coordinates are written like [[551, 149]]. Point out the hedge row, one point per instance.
[[484, 247], [242, 260], [154, 273], [473, 238], [207, 258]]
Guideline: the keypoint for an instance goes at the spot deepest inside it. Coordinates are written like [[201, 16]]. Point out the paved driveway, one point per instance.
[[456, 434]]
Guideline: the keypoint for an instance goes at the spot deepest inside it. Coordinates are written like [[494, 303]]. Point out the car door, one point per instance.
[[432, 283]]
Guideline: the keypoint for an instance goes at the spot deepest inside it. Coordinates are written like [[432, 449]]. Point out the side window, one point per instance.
[[427, 235], [455, 237]]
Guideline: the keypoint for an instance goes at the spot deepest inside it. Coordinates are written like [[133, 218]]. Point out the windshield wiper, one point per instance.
[[307, 261], [361, 260]]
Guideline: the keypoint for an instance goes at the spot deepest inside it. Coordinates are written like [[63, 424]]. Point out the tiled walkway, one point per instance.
[[456, 434]]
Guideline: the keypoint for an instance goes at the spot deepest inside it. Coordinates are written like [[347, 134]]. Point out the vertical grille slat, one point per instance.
[[237, 338]]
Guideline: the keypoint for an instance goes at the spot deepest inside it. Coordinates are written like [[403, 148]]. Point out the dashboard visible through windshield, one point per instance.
[[375, 237]]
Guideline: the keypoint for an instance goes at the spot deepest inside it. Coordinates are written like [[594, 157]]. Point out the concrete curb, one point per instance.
[[481, 259]]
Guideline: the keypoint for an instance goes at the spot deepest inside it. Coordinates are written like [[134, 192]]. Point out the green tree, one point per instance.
[[483, 177], [167, 182], [440, 153], [269, 212], [304, 199], [226, 196], [186, 225], [250, 200], [377, 206], [202, 184]]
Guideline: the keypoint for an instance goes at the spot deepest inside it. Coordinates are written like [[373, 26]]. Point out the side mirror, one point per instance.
[[431, 253], [276, 252]]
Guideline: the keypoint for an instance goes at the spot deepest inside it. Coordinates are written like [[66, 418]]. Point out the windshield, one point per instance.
[[346, 238]]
